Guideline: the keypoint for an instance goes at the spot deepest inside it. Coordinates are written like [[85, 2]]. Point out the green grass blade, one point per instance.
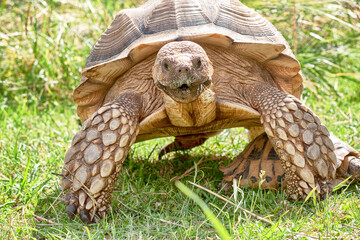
[[208, 213]]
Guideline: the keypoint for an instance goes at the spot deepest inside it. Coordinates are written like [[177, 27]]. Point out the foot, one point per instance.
[[348, 160], [258, 162]]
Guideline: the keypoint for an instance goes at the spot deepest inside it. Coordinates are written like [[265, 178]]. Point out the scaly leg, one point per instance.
[[299, 139], [96, 155]]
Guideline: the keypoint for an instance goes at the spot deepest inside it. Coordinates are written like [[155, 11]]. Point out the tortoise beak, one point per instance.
[[185, 92]]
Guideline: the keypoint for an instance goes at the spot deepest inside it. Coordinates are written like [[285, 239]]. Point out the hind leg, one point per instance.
[[257, 162]]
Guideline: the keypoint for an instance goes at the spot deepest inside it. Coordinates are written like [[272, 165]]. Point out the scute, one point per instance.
[[120, 34], [138, 33], [171, 15], [243, 20]]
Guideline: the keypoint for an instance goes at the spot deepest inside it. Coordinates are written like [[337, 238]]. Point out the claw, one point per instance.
[[84, 216], [101, 214], [71, 210], [326, 189]]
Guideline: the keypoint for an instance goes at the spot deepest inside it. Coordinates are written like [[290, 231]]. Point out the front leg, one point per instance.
[[96, 155], [300, 140]]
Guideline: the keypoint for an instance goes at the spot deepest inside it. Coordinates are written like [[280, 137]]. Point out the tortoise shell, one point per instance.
[[136, 34]]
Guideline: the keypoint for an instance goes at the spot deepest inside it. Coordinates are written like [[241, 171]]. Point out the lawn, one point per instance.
[[43, 47]]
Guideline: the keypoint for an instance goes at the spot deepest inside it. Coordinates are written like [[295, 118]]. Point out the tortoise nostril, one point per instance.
[[166, 65], [183, 70], [184, 87], [198, 64]]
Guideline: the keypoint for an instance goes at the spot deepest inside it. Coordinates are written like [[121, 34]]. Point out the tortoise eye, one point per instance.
[[198, 63], [166, 66]]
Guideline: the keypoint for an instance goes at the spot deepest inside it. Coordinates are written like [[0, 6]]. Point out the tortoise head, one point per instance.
[[182, 70]]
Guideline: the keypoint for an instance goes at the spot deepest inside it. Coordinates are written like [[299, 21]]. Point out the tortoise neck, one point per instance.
[[196, 113]]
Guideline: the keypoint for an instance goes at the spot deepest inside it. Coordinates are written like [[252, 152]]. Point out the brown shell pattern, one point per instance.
[[138, 33]]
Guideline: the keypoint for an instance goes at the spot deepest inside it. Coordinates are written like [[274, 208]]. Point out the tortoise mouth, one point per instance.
[[184, 87], [185, 92]]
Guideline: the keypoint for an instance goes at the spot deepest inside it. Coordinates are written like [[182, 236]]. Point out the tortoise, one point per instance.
[[191, 69]]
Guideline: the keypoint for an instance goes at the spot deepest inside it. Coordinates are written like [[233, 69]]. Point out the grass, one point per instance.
[[44, 45]]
